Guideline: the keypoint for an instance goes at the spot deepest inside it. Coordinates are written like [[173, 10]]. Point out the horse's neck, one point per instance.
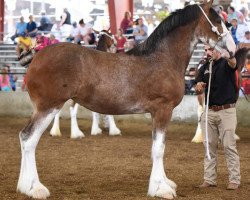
[[180, 54]]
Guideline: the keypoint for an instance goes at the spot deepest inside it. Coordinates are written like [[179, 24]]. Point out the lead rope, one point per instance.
[[207, 105]]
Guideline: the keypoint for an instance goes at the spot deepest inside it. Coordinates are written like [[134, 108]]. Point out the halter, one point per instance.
[[104, 33], [214, 28]]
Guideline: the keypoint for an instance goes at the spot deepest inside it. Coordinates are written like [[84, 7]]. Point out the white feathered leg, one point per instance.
[[236, 137], [55, 130], [95, 129], [160, 185], [113, 130], [198, 138], [75, 131], [29, 182]]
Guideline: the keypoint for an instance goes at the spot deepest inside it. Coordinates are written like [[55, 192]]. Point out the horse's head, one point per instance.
[[213, 30], [106, 37]]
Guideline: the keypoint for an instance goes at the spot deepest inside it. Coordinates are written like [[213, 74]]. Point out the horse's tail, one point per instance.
[[240, 56], [27, 57]]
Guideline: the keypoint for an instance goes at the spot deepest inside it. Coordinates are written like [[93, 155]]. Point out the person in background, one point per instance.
[[140, 32], [65, 23], [223, 13], [127, 23], [42, 42], [24, 44], [5, 80], [233, 14], [53, 40], [85, 33], [120, 40], [31, 29], [56, 30], [222, 119], [12, 78], [45, 24], [20, 28], [233, 29], [73, 33]]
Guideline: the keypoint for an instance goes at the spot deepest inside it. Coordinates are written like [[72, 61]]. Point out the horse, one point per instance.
[[240, 56], [147, 79], [104, 44]]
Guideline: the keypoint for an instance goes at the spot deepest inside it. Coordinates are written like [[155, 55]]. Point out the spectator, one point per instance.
[[244, 12], [20, 28], [31, 28], [24, 83], [233, 29], [246, 39], [223, 13], [42, 42], [233, 14], [127, 23], [65, 23], [12, 78], [85, 33], [140, 32], [56, 30], [4, 80], [53, 40], [120, 40], [24, 44], [45, 24], [73, 33]]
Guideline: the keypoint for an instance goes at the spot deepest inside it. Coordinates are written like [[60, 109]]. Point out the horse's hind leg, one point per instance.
[[28, 182], [113, 130], [55, 130], [160, 185], [95, 129], [75, 131]]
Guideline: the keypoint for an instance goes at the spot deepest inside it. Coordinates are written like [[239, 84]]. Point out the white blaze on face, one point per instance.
[[228, 39]]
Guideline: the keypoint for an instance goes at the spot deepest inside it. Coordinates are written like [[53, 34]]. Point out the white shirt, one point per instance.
[[84, 30], [240, 32], [245, 40]]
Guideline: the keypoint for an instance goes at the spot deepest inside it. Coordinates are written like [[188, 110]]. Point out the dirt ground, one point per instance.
[[104, 167]]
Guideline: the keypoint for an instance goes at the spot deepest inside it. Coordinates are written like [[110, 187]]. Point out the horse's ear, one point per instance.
[[207, 4]]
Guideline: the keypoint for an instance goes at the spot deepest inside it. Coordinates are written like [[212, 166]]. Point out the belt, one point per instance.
[[222, 107]]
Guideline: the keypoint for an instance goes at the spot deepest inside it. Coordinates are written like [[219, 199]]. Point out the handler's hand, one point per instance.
[[225, 54], [199, 88]]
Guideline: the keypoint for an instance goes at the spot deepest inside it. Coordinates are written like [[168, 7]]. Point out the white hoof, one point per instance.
[[162, 189], [236, 137], [96, 131], [77, 134], [114, 131], [55, 132], [198, 138], [171, 183], [38, 191]]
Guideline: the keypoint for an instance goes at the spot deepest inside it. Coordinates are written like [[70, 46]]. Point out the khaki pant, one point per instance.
[[221, 126]]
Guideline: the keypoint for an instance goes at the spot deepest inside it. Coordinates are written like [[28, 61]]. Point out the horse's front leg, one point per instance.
[[160, 185], [75, 131], [95, 129]]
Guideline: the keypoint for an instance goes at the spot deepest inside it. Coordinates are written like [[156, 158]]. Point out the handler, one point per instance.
[[221, 117]]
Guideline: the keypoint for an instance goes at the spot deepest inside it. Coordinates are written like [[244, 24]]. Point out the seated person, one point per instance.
[[24, 44], [140, 31], [31, 28], [20, 28], [120, 41], [53, 39], [246, 41], [42, 42], [74, 33], [85, 33]]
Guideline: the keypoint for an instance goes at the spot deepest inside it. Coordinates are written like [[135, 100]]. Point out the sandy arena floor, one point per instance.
[[118, 168]]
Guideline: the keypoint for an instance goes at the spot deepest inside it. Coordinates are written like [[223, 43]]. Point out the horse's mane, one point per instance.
[[102, 43], [178, 18]]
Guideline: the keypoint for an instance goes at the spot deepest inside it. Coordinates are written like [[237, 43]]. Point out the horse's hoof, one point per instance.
[[115, 131], [55, 132], [39, 191], [96, 131], [77, 134], [197, 140]]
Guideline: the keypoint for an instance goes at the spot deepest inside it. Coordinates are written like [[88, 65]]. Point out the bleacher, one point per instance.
[[8, 56]]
